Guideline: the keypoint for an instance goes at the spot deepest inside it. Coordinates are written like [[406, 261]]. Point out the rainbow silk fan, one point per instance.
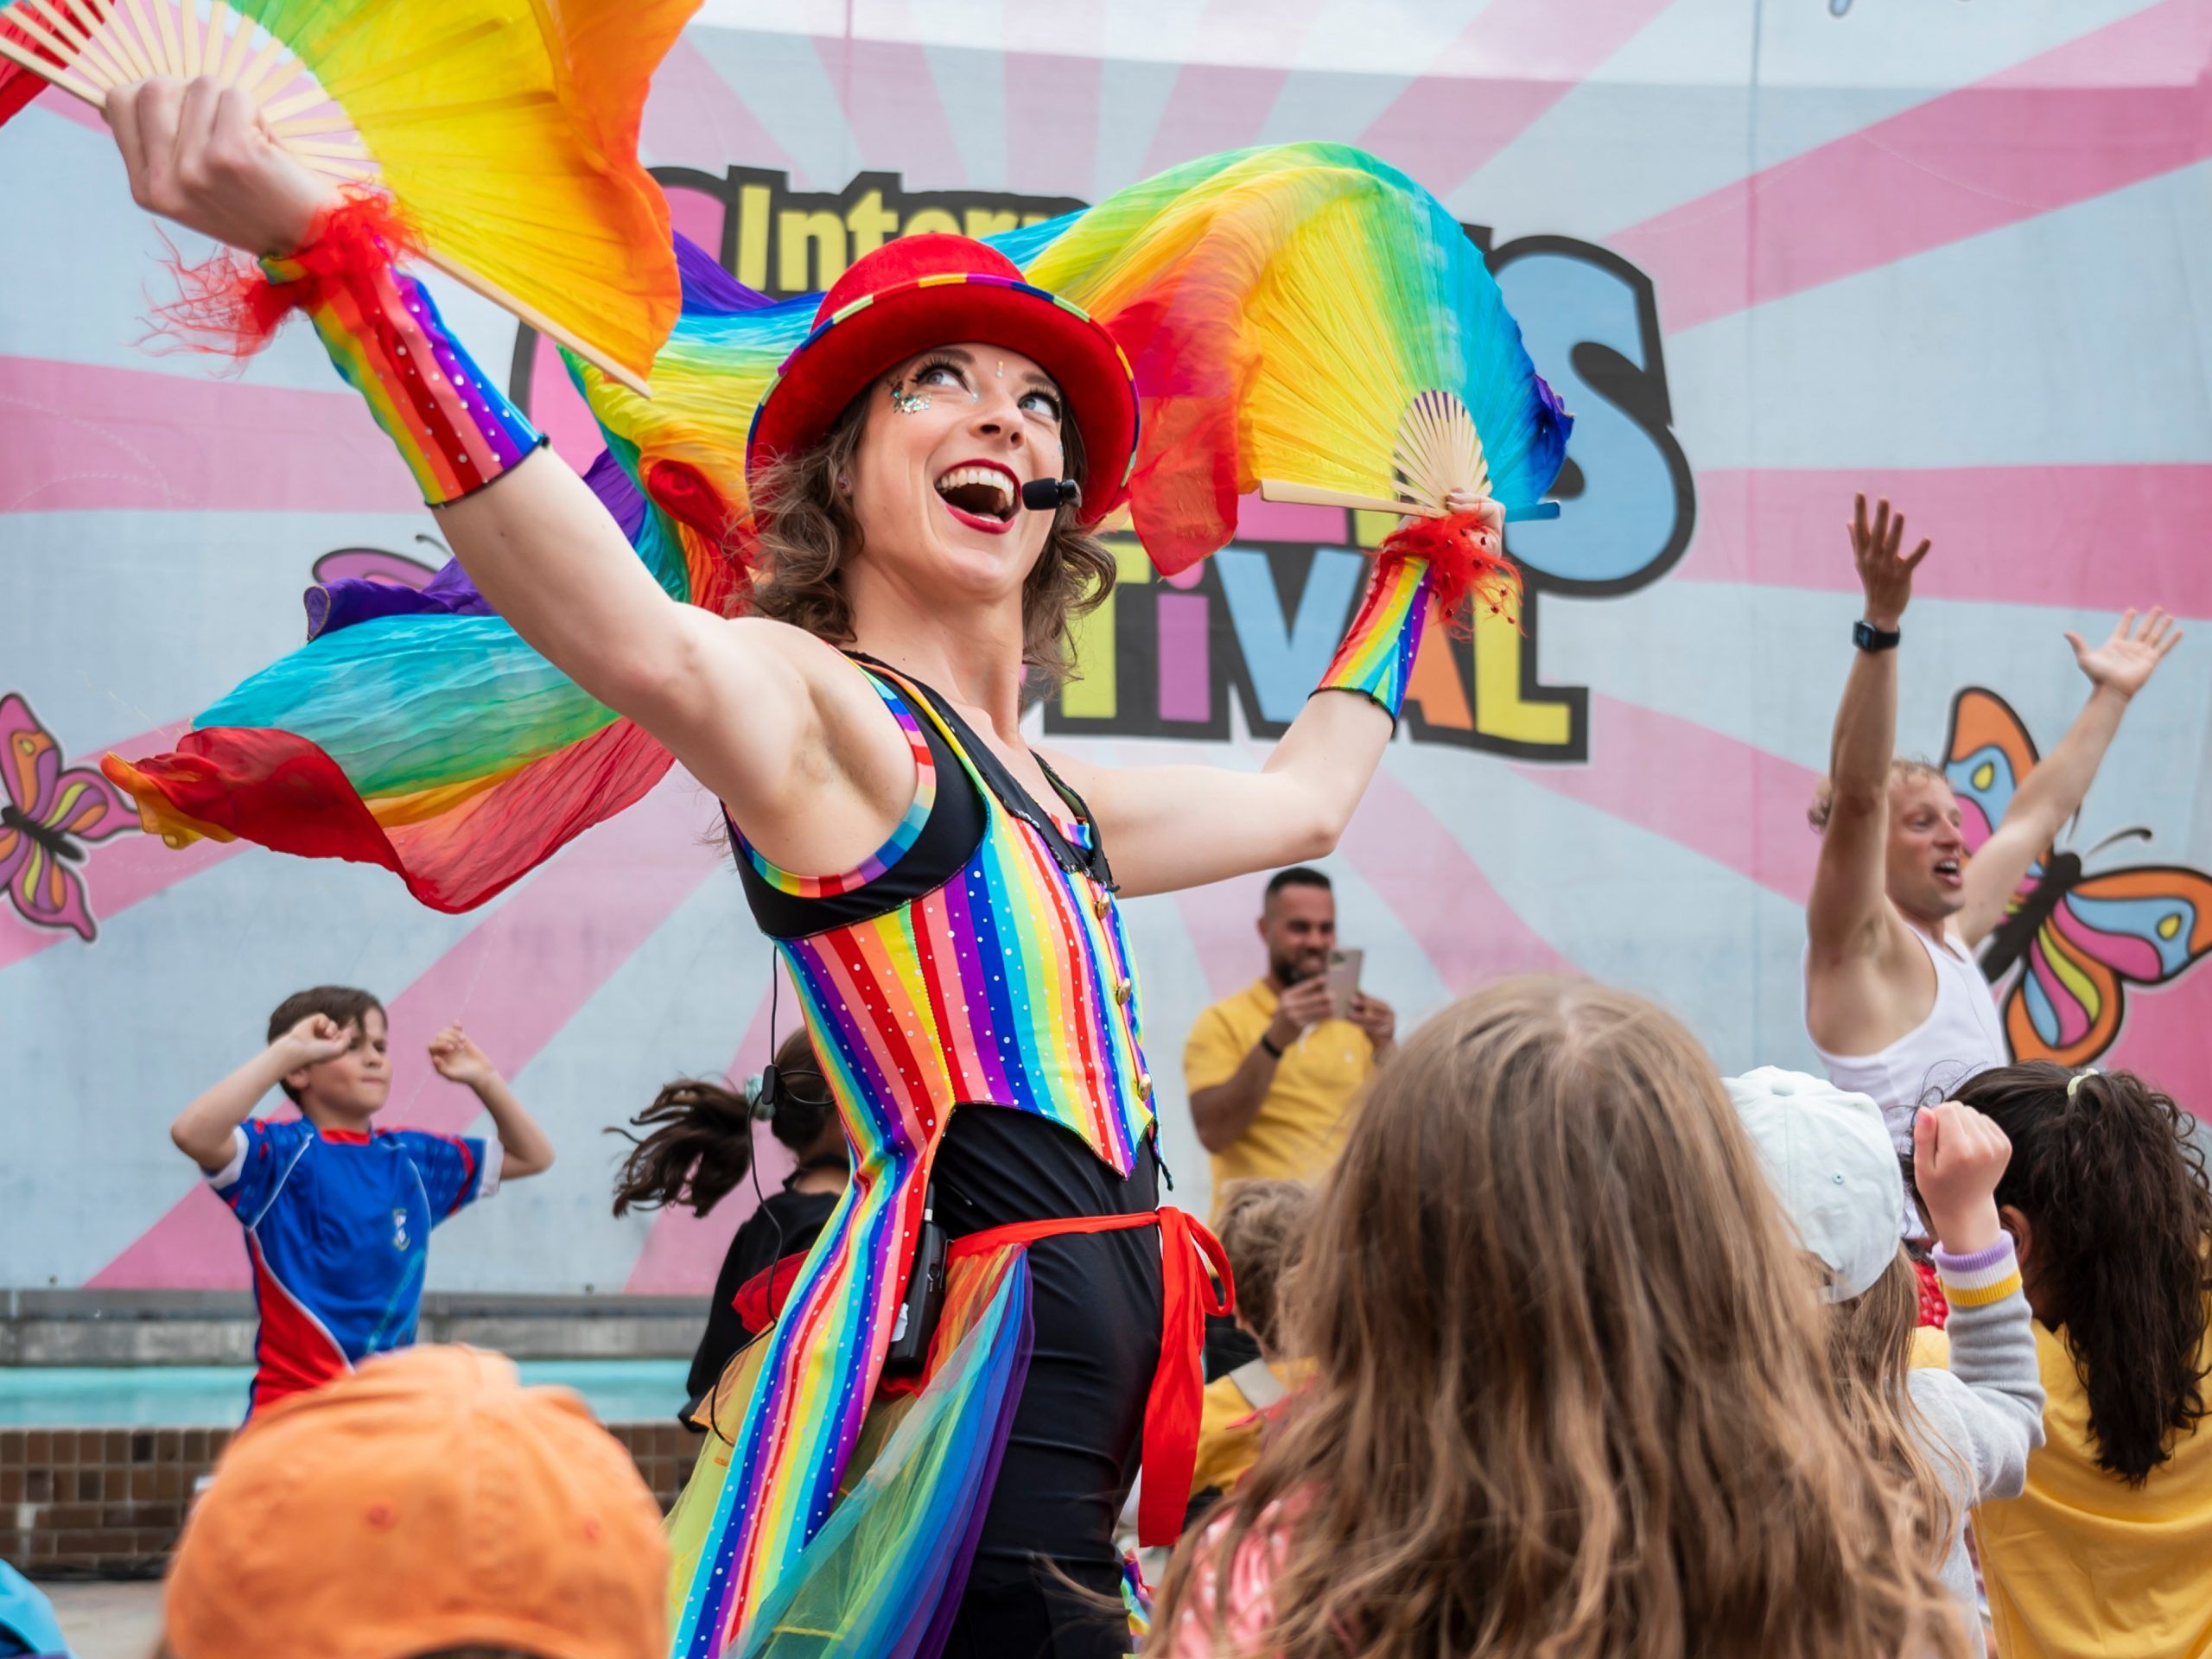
[[1308, 323], [1301, 318], [505, 129]]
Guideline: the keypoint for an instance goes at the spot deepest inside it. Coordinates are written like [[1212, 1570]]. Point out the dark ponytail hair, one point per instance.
[[2115, 1192], [701, 1143]]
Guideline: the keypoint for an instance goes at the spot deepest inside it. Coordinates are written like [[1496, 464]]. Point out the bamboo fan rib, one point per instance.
[[515, 191], [1437, 452]]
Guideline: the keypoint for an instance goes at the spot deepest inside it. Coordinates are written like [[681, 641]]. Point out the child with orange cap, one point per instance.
[[429, 1504]]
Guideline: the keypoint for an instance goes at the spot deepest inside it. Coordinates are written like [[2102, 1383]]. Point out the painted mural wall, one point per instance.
[[1769, 254]]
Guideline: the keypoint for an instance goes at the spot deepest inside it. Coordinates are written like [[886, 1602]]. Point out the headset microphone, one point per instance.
[[1047, 494]]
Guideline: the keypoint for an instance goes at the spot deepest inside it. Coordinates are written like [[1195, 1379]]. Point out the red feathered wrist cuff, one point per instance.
[[232, 305], [1466, 560]]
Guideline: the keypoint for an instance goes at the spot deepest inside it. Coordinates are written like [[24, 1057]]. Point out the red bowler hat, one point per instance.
[[938, 289]]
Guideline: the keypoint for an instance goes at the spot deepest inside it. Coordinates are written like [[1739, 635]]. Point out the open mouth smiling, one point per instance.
[[980, 493]]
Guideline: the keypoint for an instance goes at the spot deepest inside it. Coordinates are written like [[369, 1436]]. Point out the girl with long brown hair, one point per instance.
[[2109, 1550], [1570, 1396]]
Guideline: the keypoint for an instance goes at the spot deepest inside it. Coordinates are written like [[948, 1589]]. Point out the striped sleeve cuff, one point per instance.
[[1981, 1278]]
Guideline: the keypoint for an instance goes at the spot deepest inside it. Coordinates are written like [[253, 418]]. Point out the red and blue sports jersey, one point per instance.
[[338, 1228]]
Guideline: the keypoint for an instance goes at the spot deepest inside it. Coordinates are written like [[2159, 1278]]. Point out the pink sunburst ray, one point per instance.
[[1675, 778], [1467, 928], [892, 105], [1443, 127], [2078, 537], [696, 119], [2117, 105], [1218, 103], [75, 437]]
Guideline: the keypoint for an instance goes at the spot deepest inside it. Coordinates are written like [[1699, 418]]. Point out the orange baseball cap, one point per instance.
[[430, 1501]]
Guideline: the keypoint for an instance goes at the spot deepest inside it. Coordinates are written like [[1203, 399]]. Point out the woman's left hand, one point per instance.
[[1468, 501]]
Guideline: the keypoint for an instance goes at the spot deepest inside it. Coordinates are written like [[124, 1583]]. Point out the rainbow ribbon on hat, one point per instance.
[[417, 731]]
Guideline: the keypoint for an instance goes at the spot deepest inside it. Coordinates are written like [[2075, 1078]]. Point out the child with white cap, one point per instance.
[[1961, 1435]]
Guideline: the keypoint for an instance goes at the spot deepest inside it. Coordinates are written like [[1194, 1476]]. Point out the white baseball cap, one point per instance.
[[1829, 1156]]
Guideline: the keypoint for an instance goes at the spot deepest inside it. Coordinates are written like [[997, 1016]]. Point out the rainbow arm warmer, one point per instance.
[[454, 429], [1376, 656]]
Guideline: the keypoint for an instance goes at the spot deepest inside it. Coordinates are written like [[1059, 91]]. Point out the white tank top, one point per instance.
[[1959, 1037]]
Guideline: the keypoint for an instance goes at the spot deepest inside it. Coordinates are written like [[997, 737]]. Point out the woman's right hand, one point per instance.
[[199, 152]]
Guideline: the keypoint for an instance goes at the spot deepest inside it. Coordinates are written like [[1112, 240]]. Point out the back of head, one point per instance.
[[1570, 1394], [2120, 1223], [427, 1503], [1262, 1225], [699, 1144]]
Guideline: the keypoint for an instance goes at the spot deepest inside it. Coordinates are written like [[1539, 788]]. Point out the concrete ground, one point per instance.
[[108, 1621]]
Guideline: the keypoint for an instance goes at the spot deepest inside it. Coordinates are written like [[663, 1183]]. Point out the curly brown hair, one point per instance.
[[806, 531], [2115, 1188]]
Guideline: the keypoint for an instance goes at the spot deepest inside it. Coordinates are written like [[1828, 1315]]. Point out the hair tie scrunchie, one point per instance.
[[2077, 1079]]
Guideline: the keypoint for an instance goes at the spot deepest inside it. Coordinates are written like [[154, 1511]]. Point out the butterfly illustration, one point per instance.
[[50, 808], [2078, 940], [375, 564]]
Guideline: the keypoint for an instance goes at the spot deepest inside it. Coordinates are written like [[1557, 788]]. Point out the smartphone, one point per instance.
[[1344, 980]]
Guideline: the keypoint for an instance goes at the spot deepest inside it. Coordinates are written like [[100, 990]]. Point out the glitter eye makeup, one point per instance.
[[906, 402]]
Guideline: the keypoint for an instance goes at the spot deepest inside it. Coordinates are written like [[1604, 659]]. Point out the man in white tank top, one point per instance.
[[1894, 1000]]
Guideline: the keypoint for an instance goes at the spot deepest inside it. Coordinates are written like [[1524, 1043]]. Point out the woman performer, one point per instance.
[[940, 893]]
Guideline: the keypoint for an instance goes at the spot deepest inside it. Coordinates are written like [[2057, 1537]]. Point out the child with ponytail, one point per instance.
[[700, 1147], [2109, 1550], [1955, 1437]]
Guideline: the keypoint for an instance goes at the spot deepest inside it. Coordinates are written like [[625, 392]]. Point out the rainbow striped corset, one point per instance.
[[977, 958]]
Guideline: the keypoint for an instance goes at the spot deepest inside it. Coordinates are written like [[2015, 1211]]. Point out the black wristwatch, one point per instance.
[[1867, 637], [1268, 1045]]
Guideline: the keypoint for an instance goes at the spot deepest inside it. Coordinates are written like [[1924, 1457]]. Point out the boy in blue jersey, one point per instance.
[[338, 1213]]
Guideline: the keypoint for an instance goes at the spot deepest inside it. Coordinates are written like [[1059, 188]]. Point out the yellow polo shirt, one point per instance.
[[1301, 1123], [2081, 1565]]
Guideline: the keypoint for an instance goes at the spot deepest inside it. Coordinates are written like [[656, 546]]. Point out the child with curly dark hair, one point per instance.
[[2109, 1550], [700, 1147]]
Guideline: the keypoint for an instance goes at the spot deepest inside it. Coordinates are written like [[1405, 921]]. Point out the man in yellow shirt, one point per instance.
[[1271, 1072]]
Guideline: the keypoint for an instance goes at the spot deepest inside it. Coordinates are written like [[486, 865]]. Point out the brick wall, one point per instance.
[[109, 1502]]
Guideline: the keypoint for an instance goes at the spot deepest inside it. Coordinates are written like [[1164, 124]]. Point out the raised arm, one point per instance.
[[1848, 915], [763, 715], [204, 1131], [2117, 670], [1167, 828], [524, 1148]]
